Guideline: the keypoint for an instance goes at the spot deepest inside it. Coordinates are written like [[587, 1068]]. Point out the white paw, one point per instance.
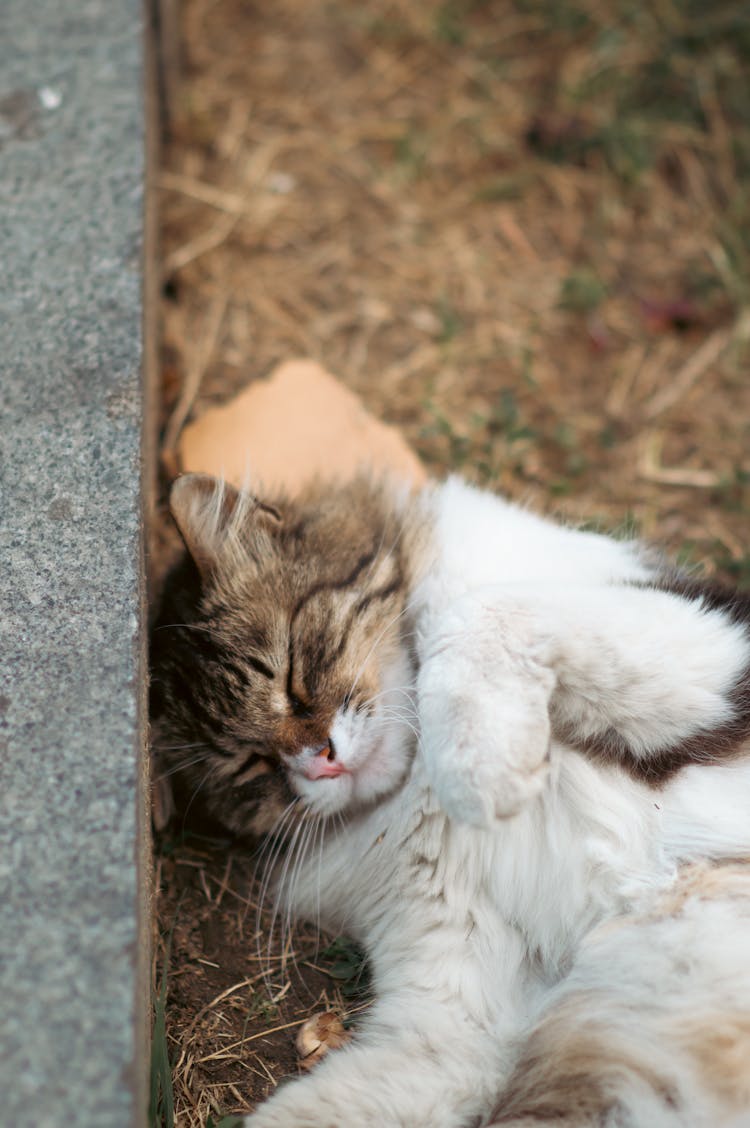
[[486, 749]]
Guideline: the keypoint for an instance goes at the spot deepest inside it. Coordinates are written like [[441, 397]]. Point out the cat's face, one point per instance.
[[281, 666]]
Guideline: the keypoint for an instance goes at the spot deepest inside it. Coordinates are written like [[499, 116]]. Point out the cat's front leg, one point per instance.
[[419, 1063], [654, 678], [484, 689]]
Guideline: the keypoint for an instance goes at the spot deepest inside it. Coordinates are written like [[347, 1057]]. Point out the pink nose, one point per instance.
[[321, 767]]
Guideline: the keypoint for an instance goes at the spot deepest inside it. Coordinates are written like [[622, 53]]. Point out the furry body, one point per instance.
[[516, 880]]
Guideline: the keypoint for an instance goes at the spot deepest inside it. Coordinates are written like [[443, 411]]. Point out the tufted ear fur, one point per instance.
[[212, 516]]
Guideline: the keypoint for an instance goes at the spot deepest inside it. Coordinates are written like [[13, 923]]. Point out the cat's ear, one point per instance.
[[215, 519], [203, 508]]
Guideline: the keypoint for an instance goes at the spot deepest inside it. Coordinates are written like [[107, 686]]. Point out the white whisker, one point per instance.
[[319, 827], [271, 850], [287, 926], [280, 887], [182, 766], [194, 796]]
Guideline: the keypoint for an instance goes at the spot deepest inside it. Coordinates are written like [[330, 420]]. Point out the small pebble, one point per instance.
[[50, 97]]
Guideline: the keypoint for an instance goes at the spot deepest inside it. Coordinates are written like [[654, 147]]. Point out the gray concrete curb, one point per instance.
[[73, 831]]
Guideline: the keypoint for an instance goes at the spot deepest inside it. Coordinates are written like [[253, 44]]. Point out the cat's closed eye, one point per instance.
[[299, 707], [260, 666]]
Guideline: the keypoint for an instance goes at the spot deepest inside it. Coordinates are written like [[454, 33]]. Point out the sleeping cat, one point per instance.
[[518, 752]]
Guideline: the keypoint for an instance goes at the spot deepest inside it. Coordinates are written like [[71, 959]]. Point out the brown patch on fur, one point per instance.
[[574, 1068], [721, 1052], [569, 1071], [656, 769], [705, 881], [535, 1122]]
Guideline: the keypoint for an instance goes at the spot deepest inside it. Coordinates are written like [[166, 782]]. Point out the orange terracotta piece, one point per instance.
[[297, 424]]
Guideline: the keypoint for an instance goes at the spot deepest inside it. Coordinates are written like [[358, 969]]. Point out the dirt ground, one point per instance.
[[521, 232]]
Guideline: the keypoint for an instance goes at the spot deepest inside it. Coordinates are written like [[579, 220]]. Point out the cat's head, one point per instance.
[[281, 664]]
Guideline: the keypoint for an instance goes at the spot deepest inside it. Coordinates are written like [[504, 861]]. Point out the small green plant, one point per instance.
[[263, 1008], [450, 322], [161, 1104], [449, 23], [485, 441], [511, 186], [506, 419], [566, 438], [459, 446], [348, 966], [582, 291], [411, 153]]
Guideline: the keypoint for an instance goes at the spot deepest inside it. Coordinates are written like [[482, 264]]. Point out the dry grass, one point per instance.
[[235, 998], [521, 232]]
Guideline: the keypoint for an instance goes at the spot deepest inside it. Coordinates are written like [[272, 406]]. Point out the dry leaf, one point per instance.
[[321, 1033]]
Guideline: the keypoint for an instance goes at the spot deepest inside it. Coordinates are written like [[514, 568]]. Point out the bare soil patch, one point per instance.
[[520, 232]]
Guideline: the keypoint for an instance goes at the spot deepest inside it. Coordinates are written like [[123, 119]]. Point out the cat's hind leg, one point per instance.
[[419, 1064], [651, 1028]]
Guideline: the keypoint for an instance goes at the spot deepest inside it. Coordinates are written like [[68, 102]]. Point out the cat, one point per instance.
[[520, 754]]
